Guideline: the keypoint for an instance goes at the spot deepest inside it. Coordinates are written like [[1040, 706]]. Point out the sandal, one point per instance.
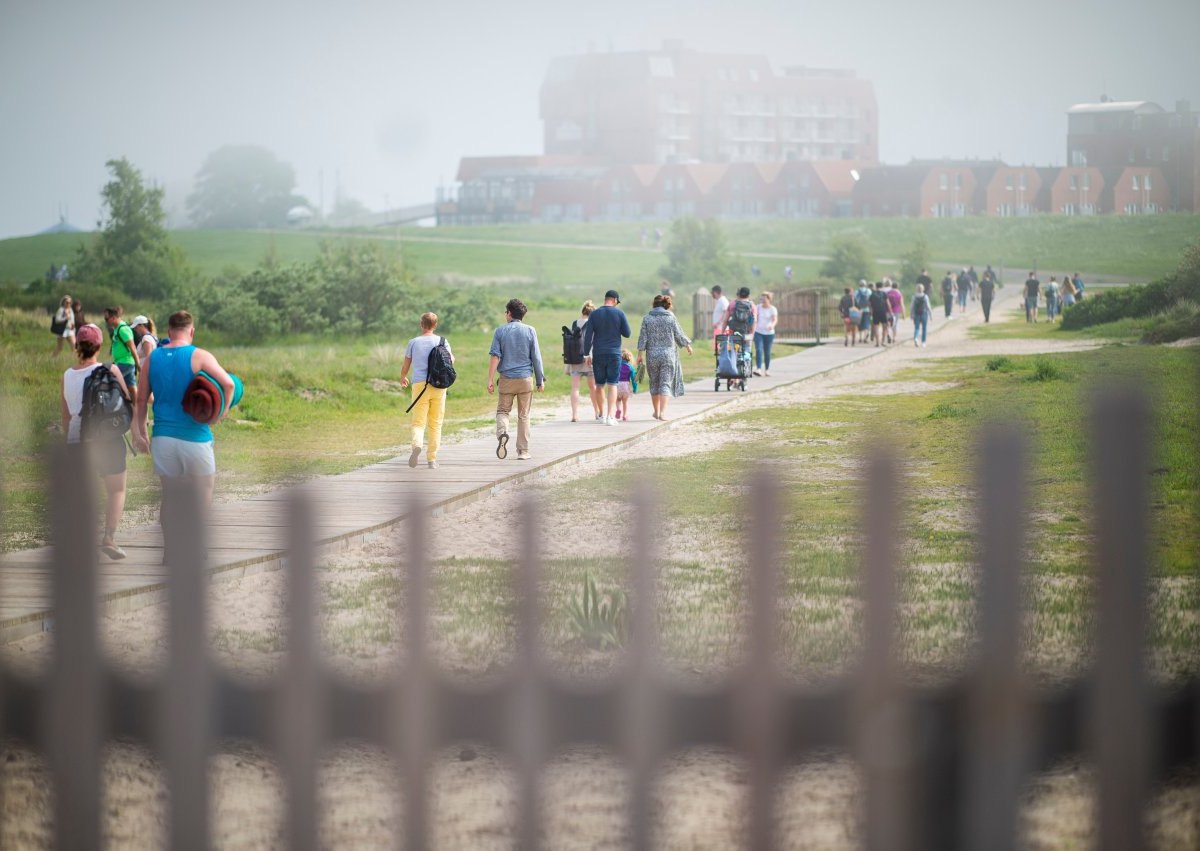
[[110, 549]]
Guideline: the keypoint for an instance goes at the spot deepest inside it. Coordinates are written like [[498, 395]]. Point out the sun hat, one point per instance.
[[89, 334]]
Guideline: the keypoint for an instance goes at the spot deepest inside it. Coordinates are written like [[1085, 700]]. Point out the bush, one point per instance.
[[697, 254], [849, 260], [1180, 322], [1000, 364], [601, 622], [1136, 302], [1044, 370]]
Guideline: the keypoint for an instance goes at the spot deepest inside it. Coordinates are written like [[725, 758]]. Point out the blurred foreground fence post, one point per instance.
[[943, 766]]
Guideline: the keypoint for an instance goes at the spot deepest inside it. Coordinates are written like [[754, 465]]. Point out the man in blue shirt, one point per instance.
[[602, 337], [515, 354]]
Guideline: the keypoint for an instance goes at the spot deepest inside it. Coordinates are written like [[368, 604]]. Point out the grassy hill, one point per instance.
[[571, 256]]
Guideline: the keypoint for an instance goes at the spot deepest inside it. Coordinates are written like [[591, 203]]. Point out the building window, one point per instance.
[[1087, 181], [1074, 182], [958, 181], [1135, 183], [1146, 182], [1078, 157], [943, 182], [1008, 181], [753, 72], [1021, 180]]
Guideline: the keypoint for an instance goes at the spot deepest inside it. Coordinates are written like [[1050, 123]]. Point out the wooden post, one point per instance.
[[301, 710], [1121, 735], [76, 707], [996, 749], [186, 721], [759, 714], [417, 711], [527, 710], [642, 731], [882, 726]]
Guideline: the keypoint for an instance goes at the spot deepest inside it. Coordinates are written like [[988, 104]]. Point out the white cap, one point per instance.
[[139, 320]]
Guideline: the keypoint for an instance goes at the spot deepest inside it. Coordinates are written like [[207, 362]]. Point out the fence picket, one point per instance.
[[759, 697], [996, 749], [642, 728], [76, 716], [527, 720], [1121, 740], [186, 707], [417, 711], [301, 710], [883, 729]]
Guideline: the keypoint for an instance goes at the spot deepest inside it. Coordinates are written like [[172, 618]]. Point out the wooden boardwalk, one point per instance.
[[248, 536]]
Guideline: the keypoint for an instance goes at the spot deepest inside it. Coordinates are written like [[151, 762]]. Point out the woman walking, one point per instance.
[[145, 339], [62, 326], [657, 341], [429, 405], [764, 334], [108, 453], [579, 372]]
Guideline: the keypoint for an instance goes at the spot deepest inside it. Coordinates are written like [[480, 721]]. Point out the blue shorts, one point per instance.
[[606, 368]]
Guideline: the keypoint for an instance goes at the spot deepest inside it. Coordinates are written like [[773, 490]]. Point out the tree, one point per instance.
[[697, 254], [133, 251], [243, 186], [849, 260], [914, 260]]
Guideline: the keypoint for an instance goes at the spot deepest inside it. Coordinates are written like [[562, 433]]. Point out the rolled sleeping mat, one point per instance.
[[203, 400]]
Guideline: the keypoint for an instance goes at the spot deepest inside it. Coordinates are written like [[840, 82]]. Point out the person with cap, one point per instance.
[[145, 339], [122, 348], [602, 336], [182, 448], [108, 453], [516, 356]]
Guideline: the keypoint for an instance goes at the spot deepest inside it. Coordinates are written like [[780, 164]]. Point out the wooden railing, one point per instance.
[[943, 766]]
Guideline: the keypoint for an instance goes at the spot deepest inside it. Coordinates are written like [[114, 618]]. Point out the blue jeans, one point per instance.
[[127, 372], [920, 326], [962, 298], [762, 349], [1051, 308]]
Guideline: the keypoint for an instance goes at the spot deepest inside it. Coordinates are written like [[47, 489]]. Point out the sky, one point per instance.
[[382, 97]]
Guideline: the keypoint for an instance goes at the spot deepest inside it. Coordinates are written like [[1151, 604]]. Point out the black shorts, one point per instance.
[[879, 317], [108, 455]]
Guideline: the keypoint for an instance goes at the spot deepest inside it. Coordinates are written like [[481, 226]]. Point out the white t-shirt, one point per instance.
[[73, 380], [718, 317], [418, 349], [766, 315]]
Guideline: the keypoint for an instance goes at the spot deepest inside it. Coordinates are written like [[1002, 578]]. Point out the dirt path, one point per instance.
[[702, 792]]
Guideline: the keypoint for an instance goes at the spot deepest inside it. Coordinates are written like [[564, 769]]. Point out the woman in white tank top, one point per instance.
[[108, 454]]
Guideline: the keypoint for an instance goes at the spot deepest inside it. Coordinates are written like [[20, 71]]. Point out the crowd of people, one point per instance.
[[1057, 297], [151, 375]]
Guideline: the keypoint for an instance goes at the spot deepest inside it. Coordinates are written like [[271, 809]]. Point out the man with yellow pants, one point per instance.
[[429, 405]]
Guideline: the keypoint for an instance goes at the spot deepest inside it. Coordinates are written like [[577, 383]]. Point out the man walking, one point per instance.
[[878, 301], [963, 284], [515, 354], [948, 293], [896, 303], [987, 289], [602, 336], [720, 305], [182, 448], [122, 349], [1033, 289]]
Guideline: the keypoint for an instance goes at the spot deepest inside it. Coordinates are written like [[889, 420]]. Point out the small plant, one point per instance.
[[1000, 364], [946, 411], [1043, 370], [600, 621]]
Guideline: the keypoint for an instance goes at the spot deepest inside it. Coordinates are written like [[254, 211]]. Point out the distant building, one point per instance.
[[1116, 135], [681, 105]]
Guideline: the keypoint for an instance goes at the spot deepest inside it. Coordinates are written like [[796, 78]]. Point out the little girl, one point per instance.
[[625, 385]]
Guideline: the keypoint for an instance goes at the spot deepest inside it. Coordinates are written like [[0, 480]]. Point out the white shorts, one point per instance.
[[175, 459]]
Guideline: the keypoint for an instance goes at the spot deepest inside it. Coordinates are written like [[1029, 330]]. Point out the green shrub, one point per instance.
[[1044, 370], [599, 621], [999, 364], [1179, 322], [946, 411], [1139, 301]]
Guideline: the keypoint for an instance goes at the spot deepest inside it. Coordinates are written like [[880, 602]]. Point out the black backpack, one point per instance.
[[440, 370], [106, 411], [572, 345], [878, 300], [742, 317]]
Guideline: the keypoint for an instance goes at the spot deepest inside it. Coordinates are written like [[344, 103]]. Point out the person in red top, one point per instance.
[[896, 303]]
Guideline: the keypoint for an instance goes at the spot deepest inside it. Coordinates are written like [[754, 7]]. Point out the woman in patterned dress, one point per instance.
[[659, 337]]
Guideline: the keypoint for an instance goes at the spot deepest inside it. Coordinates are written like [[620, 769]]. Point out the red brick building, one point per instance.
[[921, 189], [1138, 189], [1077, 191]]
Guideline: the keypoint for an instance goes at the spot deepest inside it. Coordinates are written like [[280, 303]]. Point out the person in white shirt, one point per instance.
[[720, 306], [429, 402], [764, 334]]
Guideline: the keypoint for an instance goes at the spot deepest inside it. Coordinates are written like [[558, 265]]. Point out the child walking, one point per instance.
[[625, 385]]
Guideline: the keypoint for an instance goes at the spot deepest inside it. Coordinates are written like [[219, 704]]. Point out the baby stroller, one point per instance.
[[733, 360]]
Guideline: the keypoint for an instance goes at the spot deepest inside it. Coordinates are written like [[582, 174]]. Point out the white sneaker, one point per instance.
[[599, 418], [609, 421]]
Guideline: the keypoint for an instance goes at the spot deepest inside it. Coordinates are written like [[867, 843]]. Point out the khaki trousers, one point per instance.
[[521, 390]]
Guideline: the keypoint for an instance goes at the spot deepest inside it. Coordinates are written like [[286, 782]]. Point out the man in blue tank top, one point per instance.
[[181, 448]]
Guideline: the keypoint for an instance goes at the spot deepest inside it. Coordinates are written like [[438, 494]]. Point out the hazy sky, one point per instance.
[[389, 95]]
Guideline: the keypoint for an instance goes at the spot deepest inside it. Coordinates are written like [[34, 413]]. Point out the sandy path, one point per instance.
[[701, 793]]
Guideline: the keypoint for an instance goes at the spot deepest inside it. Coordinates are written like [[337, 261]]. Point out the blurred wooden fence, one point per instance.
[[805, 316], [943, 766]]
